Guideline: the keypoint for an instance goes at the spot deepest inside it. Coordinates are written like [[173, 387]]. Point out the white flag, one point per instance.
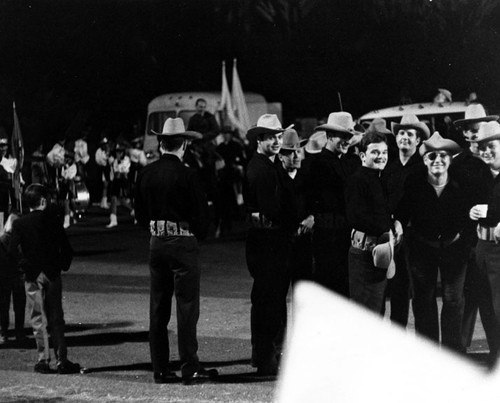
[[239, 103]]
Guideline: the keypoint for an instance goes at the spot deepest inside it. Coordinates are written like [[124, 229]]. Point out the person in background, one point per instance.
[[138, 160], [203, 121], [40, 246], [7, 168], [119, 184], [409, 134], [329, 173], [102, 159], [11, 285]]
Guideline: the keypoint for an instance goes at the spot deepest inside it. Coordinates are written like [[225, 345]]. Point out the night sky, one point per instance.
[[74, 63]]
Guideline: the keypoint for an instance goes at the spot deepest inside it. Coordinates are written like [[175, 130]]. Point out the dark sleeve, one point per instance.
[[493, 217], [404, 207], [15, 250]]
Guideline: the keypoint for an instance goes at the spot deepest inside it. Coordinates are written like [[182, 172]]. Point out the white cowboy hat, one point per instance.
[[175, 128], [487, 131], [339, 122], [378, 125], [410, 121], [316, 142], [266, 124], [292, 141], [475, 113], [436, 142]]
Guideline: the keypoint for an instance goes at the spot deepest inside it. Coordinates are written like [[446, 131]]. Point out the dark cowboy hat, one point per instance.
[[267, 124], [410, 121], [175, 128], [292, 141], [436, 142], [474, 113], [378, 125]]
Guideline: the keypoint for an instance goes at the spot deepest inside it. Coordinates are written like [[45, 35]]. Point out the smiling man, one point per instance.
[[267, 244], [441, 239], [369, 216]]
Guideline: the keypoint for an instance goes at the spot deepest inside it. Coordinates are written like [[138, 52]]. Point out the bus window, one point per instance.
[[156, 121]]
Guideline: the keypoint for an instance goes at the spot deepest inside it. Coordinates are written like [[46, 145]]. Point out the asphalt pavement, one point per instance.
[[106, 301]]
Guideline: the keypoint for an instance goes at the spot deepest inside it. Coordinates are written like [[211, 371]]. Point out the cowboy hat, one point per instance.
[[475, 113], [292, 141], [175, 128], [383, 254], [316, 142], [488, 131], [410, 121], [378, 125], [339, 122], [436, 142], [266, 124]]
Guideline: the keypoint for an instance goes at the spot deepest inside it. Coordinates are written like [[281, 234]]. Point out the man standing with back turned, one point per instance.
[[169, 201]]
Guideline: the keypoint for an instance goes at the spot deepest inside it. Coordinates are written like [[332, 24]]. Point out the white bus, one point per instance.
[[182, 104]]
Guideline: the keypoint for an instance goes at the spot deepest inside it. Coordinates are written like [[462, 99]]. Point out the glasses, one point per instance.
[[434, 154]]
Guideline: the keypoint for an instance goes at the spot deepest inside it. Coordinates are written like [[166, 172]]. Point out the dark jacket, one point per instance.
[[39, 243], [396, 174], [8, 265], [329, 175], [366, 202], [493, 201], [168, 190], [436, 218], [206, 125]]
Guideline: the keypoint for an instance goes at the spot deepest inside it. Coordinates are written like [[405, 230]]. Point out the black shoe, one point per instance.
[[200, 376], [43, 367], [267, 370], [68, 367], [166, 377]]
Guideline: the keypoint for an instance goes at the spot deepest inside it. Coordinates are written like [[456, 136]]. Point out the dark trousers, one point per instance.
[[174, 270], [330, 249], [46, 313], [12, 286], [398, 289], [451, 262], [367, 283], [488, 264], [478, 297], [267, 252]]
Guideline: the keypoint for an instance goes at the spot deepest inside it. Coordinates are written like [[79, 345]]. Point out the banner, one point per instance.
[[239, 102], [18, 154]]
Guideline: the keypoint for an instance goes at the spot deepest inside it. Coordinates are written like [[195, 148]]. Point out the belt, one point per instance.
[[363, 241], [440, 243], [485, 233], [169, 228], [258, 220]]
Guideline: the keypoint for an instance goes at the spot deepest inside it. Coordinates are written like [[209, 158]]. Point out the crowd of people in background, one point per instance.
[[370, 213]]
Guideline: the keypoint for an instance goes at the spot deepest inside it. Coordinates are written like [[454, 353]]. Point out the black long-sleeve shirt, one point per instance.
[[432, 217], [367, 206], [168, 190], [39, 243], [493, 201]]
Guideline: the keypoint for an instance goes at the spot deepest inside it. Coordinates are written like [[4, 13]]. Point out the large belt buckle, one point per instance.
[[171, 228], [160, 228]]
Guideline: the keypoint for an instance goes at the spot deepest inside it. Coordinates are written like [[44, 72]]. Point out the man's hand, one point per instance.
[[398, 232], [306, 225]]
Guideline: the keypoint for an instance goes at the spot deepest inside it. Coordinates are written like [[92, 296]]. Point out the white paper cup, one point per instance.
[[483, 209]]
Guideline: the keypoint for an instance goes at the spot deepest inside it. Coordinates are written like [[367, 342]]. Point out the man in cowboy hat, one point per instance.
[[487, 215], [475, 175], [437, 206], [408, 135], [169, 202], [329, 174], [268, 242], [369, 217]]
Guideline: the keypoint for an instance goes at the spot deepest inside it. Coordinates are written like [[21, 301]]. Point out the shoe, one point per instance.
[[270, 369], [68, 367], [43, 367], [113, 221], [200, 376], [166, 377]]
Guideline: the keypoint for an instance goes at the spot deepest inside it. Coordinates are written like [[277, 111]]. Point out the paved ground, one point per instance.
[[106, 306]]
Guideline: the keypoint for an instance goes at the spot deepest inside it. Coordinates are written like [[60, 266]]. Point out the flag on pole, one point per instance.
[[18, 154], [225, 101], [239, 103]]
